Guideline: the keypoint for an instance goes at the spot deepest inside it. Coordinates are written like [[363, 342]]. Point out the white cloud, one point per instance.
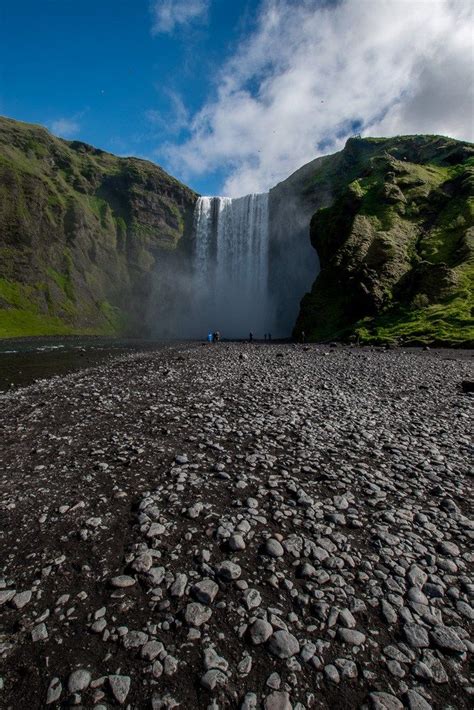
[[65, 127], [312, 74], [169, 14]]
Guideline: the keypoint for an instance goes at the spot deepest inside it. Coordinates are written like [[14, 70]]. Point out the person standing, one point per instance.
[[250, 337]]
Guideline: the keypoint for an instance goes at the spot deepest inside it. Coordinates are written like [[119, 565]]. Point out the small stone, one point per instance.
[[252, 598], [98, 626], [123, 581], [213, 678], [157, 669], [21, 599], [260, 631], [332, 674], [385, 701], [163, 702], [278, 700], [156, 575], [142, 563], [415, 595], [249, 702], [346, 619], [135, 639], [151, 650], [54, 691], [354, 638], [462, 607], [306, 571], [416, 701], [170, 665], [416, 576], [6, 595], [416, 635], [179, 585], [120, 686], [155, 530], [197, 614], [78, 681], [395, 669], [273, 681], [245, 665], [283, 644], [205, 591], [389, 612], [39, 633], [195, 510], [273, 548], [449, 548], [236, 543], [229, 571], [446, 639], [348, 668], [213, 660]]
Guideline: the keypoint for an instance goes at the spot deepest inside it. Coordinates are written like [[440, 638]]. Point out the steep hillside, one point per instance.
[[395, 242], [81, 233]]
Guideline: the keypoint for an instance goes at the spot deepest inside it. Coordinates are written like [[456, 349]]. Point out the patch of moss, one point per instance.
[[63, 281], [15, 323], [396, 245], [116, 319]]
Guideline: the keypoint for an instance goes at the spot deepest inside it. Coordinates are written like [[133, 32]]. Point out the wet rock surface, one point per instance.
[[192, 528]]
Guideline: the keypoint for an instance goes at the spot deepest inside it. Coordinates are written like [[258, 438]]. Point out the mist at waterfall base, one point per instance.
[[224, 283], [231, 265]]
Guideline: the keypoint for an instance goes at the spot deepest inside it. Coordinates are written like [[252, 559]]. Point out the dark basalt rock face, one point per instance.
[[395, 241], [82, 233]]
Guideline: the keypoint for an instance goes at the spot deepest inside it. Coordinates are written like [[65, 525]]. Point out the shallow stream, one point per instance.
[[25, 360]]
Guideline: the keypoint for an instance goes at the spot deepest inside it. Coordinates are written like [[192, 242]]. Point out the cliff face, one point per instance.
[[81, 234], [395, 242], [95, 244]]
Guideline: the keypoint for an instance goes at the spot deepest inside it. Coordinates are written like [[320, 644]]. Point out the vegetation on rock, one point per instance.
[[395, 243], [81, 232]]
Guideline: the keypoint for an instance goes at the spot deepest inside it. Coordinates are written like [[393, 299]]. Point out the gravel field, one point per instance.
[[239, 526]]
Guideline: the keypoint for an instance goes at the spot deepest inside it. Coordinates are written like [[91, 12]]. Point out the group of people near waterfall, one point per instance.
[[215, 336]]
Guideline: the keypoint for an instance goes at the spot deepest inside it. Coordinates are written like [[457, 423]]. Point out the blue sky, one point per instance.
[[94, 69], [231, 96]]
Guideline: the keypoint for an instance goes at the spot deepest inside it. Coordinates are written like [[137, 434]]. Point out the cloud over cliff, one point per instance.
[[312, 73]]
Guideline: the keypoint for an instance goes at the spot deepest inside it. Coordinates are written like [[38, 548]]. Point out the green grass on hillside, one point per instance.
[[449, 322]]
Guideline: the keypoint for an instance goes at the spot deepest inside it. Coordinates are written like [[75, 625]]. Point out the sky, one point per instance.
[[232, 96]]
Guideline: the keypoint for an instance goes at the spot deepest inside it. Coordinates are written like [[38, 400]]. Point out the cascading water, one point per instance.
[[231, 265]]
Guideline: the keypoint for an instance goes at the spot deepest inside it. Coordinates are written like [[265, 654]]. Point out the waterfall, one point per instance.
[[231, 265]]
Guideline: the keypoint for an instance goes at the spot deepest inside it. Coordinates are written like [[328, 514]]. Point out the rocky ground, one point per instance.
[[239, 526]]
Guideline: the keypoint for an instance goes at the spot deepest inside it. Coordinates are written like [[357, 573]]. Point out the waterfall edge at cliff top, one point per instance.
[[231, 253]]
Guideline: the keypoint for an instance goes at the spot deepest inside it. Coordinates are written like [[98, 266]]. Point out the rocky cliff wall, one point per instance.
[[395, 242], [82, 233]]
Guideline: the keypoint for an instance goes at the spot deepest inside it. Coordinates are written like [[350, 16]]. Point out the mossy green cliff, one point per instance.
[[395, 239], [81, 234], [86, 236]]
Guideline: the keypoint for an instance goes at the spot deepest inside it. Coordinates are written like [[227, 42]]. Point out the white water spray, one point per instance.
[[231, 265]]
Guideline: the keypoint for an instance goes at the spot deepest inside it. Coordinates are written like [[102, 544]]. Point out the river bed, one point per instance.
[[25, 360]]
